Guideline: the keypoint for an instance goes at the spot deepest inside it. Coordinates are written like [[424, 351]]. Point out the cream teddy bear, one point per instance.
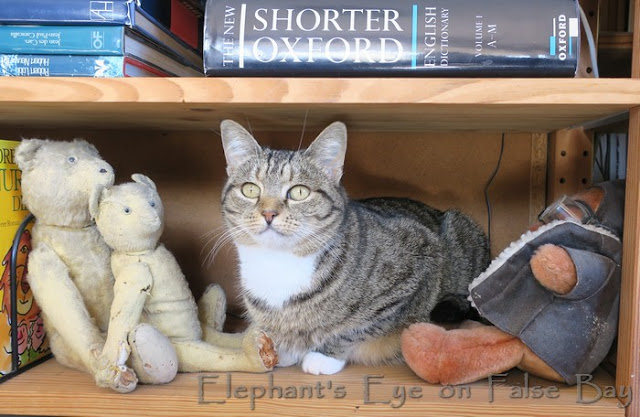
[[151, 288], [69, 270]]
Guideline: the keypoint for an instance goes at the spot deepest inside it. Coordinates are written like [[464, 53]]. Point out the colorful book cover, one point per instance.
[[65, 40], [32, 343], [95, 12], [61, 65], [443, 38]]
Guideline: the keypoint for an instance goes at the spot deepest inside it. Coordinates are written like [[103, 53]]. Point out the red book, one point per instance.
[[185, 23]]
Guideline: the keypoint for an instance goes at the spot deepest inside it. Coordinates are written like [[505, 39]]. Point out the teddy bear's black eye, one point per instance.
[[152, 203], [72, 159], [127, 210]]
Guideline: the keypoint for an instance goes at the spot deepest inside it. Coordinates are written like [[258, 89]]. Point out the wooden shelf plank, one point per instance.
[[50, 389], [377, 104]]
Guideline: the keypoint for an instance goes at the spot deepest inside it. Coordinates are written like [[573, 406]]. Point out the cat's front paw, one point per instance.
[[318, 364]]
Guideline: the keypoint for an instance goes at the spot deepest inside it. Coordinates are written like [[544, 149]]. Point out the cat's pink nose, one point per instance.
[[269, 215]]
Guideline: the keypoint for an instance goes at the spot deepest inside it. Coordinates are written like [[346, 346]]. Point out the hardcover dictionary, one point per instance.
[[491, 38]]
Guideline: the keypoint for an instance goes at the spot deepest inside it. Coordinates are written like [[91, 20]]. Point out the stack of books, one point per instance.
[[101, 38]]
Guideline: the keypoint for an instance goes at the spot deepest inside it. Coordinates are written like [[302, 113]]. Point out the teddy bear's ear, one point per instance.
[[87, 146], [144, 180], [98, 195], [26, 152]]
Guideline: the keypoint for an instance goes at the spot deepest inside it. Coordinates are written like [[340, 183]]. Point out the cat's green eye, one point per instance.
[[298, 193], [250, 190]]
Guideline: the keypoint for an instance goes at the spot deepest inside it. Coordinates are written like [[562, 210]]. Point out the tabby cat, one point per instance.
[[333, 280]]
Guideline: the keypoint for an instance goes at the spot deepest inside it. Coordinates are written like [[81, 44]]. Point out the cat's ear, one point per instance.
[[239, 146], [329, 149]]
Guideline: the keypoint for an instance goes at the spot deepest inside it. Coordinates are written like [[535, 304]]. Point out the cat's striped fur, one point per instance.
[[333, 276]]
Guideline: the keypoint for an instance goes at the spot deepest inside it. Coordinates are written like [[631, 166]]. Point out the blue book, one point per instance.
[[68, 13], [61, 66], [94, 12], [64, 40]]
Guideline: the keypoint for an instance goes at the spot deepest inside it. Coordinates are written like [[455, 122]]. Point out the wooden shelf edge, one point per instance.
[[373, 104], [246, 91], [50, 389]]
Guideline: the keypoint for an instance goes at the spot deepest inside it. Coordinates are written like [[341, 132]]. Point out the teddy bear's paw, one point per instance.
[[260, 348], [119, 378], [554, 269], [212, 307], [421, 348], [115, 374]]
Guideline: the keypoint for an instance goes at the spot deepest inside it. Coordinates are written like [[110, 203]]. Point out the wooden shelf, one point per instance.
[[375, 104], [50, 389], [380, 105]]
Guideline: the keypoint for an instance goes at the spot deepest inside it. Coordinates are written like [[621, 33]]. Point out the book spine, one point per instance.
[[65, 40], [33, 65], [22, 338], [136, 68], [184, 24], [95, 12], [486, 38]]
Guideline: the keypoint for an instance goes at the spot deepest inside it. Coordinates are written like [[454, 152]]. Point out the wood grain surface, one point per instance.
[[50, 389], [374, 104]]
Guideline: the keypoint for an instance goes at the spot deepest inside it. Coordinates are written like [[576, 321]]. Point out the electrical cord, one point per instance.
[[486, 190]]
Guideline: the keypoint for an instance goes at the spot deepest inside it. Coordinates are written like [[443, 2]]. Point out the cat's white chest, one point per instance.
[[274, 276]]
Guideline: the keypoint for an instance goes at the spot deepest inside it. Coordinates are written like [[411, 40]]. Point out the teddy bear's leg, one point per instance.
[[554, 269], [536, 366], [256, 354], [229, 340], [76, 333], [153, 357], [212, 315], [63, 353], [459, 356], [212, 308]]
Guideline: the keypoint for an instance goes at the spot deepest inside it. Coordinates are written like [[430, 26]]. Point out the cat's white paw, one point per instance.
[[318, 364]]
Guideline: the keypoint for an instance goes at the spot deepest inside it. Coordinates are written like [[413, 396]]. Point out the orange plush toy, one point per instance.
[[551, 297]]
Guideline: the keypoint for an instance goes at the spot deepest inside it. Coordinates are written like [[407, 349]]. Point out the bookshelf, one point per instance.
[[178, 115], [192, 107]]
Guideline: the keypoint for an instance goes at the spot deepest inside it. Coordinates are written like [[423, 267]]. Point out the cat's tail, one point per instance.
[[453, 308]]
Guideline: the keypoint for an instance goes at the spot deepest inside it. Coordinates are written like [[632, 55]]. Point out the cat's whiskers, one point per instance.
[[213, 231], [223, 238], [211, 236]]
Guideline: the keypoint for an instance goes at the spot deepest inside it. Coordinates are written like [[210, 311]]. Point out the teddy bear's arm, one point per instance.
[[593, 270], [553, 267], [66, 312], [130, 293]]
